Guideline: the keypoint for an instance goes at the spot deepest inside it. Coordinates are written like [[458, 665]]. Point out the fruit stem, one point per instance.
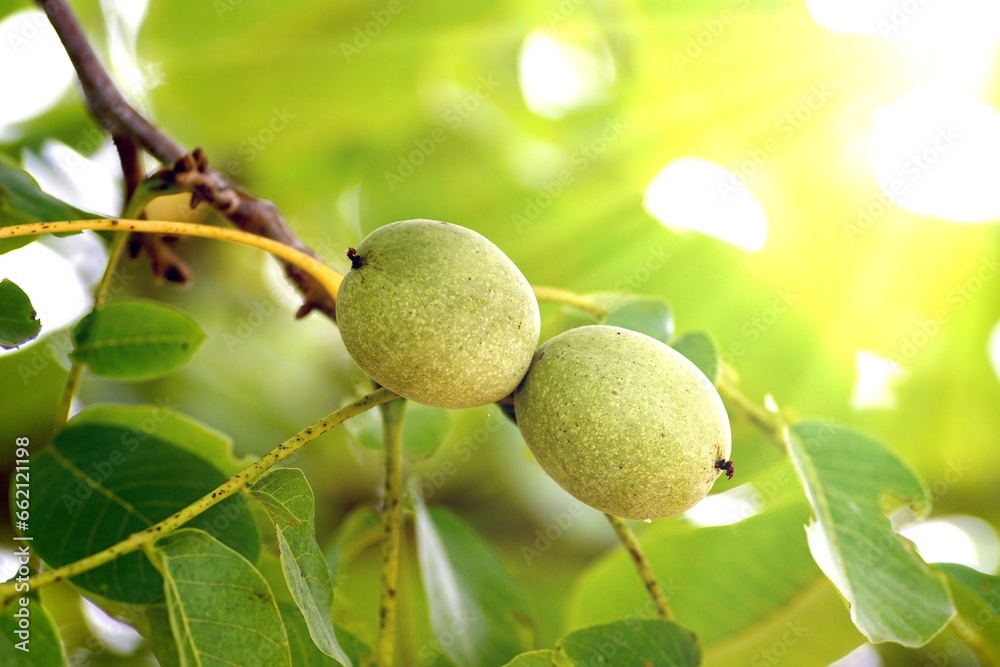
[[634, 549], [233, 485], [392, 528], [327, 277], [572, 299]]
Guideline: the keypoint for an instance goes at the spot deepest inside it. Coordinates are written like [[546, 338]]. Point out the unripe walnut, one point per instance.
[[438, 314], [623, 422]]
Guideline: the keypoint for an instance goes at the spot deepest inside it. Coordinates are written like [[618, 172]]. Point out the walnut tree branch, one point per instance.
[[116, 116]]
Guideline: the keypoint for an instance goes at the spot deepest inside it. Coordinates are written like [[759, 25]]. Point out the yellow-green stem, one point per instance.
[[634, 549], [116, 250], [568, 298], [324, 275], [234, 484], [392, 528]]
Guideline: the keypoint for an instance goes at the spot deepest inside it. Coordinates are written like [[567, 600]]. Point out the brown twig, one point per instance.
[[130, 158], [166, 263], [118, 117]]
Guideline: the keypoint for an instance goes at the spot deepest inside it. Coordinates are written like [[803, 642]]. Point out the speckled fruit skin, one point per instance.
[[623, 422], [438, 314]]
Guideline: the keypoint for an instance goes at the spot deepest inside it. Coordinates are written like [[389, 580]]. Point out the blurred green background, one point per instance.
[[542, 125]]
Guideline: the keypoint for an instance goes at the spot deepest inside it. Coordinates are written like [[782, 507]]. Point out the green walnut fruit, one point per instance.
[[438, 314], [623, 422]]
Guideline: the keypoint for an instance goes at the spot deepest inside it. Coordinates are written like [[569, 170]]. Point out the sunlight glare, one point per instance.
[[124, 18], [729, 507], [116, 636], [946, 43], [827, 558], [692, 193], [34, 70], [966, 540], [877, 377], [558, 76], [57, 291], [9, 564], [863, 656], [993, 349], [934, 153], [915, 20], [90, 182]]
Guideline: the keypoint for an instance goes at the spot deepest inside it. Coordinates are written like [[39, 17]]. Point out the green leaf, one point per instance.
[[472, 599], [286, 494], [22, 201], [98, 484], [176, 428], [540, 659], [424, 429], [977, 599], [647, 315], [135, 340], [355, 648], [724, 582], [626, 643], [633, 642], [221, 609], [38, 645], [702, 351], [848, 478], [161, 636], [304, 650], [18, 320]]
